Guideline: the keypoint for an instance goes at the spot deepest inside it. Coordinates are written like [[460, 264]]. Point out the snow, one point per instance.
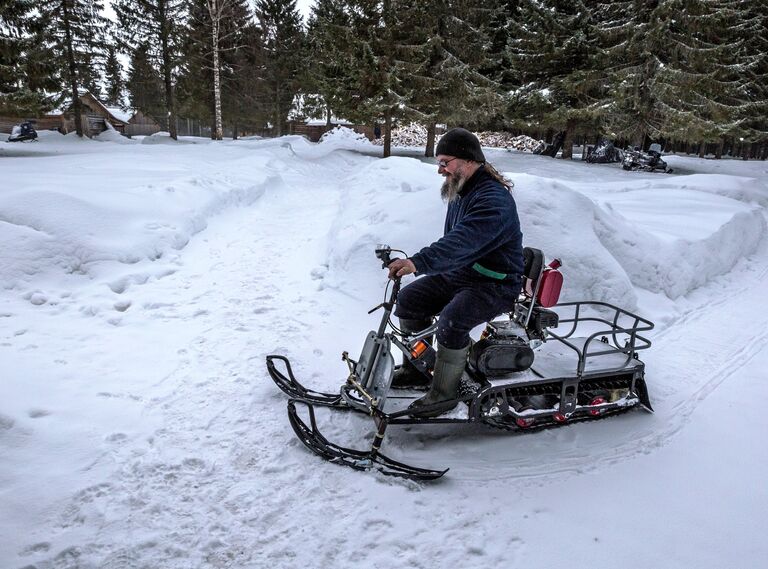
[[121, 114], [142, 285]]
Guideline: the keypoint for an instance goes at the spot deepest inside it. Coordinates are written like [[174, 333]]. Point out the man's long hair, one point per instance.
[[498, 176]]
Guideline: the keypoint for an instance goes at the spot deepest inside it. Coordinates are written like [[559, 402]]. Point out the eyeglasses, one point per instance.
[[444, 163]]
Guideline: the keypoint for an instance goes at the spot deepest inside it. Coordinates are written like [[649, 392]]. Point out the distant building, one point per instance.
[[96, 115]]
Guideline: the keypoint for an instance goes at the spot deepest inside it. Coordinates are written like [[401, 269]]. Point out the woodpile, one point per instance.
[[414, 134], [520, 142]]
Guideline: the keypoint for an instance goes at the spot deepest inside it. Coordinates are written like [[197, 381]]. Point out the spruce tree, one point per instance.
[[447, 63], [754, 69], [553, 50], [74, 32], [676, 69], [375, 69], [145, 85], [241, 61], [159, 25], [25, 69], [224, 78], [327, 81], [113, 77], [283, 45]]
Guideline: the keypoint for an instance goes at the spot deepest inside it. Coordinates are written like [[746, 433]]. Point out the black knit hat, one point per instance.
[[460, 143]]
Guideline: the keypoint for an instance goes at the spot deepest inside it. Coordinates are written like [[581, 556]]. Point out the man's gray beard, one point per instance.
[[451, 187]]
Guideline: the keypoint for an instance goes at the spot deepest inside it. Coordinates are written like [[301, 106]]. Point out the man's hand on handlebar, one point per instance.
[[400, 268]]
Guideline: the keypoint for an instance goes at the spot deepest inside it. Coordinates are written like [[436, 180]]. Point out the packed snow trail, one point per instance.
[[220, 425]]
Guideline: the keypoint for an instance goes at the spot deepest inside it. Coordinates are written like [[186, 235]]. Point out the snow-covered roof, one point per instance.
[[323, 122], [121, 114]]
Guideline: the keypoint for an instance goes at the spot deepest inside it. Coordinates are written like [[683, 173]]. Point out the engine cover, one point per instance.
[[500, 351]]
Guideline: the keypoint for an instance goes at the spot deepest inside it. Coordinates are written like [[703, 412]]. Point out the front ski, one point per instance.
[[314, 440], [295, 390]]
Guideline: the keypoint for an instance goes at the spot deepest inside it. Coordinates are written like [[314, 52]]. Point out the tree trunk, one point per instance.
[[76, 107], [570, 127], [720, 148], [702, 149], [234, 131], [170, 98], [430, 151], [387, 133], [214, 8]]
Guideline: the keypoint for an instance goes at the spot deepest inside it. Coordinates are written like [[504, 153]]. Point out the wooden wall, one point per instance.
[[44, 123]]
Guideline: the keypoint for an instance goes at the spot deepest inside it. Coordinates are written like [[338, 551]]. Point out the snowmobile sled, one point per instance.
[[604, 153], [23, 132], [521, 376], [551, 150], [635, 159]]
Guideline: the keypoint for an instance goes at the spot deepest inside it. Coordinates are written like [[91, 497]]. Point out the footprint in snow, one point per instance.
[[37, 413]]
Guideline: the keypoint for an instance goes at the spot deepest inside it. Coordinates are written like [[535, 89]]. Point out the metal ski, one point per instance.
[[295, 390], [314, 440]]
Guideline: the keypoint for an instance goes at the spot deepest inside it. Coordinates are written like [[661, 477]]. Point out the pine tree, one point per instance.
[[159, 25], [74, 31], [113, 76], [283, 44]]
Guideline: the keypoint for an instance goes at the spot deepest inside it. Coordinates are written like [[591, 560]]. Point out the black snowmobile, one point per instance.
[[551, 150], [23, 132], [604, 153], [635, 159], [521, 376]]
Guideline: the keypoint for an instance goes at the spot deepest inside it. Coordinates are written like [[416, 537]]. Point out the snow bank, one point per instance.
[[560, 222], [71, 231], [111, 135], [673, 241], [392, 201], [343, 138], [658, 238]]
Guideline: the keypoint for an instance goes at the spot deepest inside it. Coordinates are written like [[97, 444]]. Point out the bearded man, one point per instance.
[[471, 274]]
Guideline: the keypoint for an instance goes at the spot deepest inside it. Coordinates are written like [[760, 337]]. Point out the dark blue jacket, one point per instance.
[[481, 227]]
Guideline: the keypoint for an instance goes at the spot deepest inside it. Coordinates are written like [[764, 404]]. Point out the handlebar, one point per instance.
[[383, 254]]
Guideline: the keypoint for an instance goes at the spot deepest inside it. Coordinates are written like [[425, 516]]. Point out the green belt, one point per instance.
[[488, 272]]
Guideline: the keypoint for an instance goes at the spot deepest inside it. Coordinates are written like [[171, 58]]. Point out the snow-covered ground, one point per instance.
[[143, 283]]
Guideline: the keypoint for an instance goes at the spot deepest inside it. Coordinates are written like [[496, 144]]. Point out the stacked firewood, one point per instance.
[[520, 142], [414, 134]]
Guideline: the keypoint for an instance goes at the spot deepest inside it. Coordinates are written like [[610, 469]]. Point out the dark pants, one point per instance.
[[461, 302]]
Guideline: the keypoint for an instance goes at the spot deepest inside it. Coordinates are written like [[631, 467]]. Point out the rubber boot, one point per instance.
[[449, 367], [407, 376]]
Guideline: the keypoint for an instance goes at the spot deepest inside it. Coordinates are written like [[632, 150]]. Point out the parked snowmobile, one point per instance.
[[604, 153], [520, 376], [635, 159], [551, 150], [23, 132]]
